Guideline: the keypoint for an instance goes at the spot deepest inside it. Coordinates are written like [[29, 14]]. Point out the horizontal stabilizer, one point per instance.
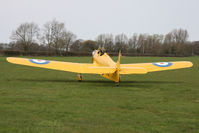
[[102, 70], [132, 70]]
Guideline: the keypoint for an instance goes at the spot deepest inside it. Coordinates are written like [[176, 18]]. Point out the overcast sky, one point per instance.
[[89, 18]]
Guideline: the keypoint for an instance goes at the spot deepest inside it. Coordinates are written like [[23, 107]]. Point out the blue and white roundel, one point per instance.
[[162, 64], [38, 61]]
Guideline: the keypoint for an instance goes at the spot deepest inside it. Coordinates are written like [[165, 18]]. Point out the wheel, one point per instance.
[[79, 77], [117, 84]]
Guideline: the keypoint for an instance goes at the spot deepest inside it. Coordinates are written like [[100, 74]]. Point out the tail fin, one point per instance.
[[118, 61], [115, 76]]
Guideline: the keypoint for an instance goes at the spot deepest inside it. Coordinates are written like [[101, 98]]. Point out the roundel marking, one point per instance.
[[38, 61], [162, 64]]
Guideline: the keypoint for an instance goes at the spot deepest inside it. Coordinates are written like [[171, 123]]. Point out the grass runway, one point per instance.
[[37, 100]]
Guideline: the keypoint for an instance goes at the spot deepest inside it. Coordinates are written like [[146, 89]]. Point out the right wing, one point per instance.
[[159, 66], [62, 66]]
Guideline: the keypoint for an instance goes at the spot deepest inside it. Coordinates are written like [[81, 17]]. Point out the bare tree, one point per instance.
[[168, 43], [26, 34], [121, 42], [101, 40], [154, 43], [141, 43], [47, 36], [180, 36], [133, 43], [105, 41], [52, 34], [175, 42], [56, 37], [168, 39], [109, 42], [67, 40]]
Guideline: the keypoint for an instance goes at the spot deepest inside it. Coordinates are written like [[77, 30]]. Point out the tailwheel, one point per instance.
[[79, 77], [117, 84]]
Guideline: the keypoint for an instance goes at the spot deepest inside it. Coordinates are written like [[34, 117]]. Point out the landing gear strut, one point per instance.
[[117, 83], [79, 77]]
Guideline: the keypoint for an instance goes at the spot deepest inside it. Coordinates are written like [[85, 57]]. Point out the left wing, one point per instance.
[[160, 66], [62, 66]]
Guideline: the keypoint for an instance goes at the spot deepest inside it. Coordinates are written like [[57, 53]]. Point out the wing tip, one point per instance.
[[13, 60], [9, 59], [189, 63]]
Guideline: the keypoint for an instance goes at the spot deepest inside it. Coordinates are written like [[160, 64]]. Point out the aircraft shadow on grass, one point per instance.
[[101, 83]]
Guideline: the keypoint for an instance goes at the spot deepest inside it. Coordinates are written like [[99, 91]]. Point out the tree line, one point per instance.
[[53, 37]]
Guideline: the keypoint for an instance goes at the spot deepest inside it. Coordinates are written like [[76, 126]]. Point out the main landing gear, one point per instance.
[[79, 77]]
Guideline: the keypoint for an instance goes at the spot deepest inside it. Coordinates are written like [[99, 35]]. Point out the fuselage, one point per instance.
[[102, 59]]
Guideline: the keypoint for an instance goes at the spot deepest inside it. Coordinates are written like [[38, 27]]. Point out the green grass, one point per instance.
[[36, 100]]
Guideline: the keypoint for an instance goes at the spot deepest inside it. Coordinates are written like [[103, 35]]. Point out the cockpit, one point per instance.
[[100, 52]]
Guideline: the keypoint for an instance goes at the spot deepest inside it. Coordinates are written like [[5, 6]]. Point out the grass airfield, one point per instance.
[[37, 100]]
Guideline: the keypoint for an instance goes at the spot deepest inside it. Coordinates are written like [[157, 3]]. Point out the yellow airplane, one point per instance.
[[103, 65]]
